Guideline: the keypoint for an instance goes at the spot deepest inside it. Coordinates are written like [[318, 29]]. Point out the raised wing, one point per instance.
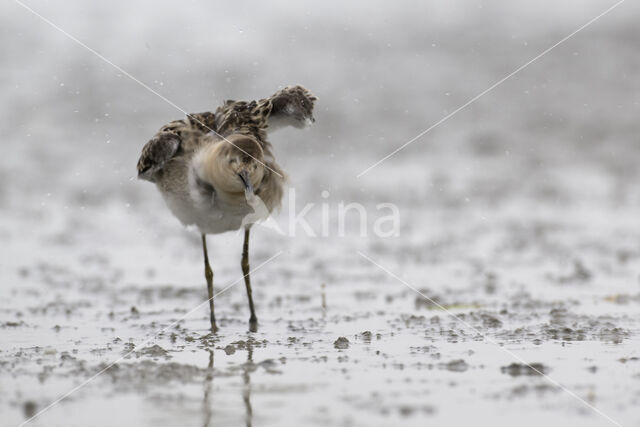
[[155, 154], [291, 106], [173, 139]]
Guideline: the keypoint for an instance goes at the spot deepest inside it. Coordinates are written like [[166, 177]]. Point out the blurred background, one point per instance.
[[535, 182], [383, 74]]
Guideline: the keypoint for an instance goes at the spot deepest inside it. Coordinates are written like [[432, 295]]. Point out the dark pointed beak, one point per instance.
[[244, 176]]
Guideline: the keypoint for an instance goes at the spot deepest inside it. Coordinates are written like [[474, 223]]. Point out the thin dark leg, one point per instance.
[[208, 274], [245, 270]]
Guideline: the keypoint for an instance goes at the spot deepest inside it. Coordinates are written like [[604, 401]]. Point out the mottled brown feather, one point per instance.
[[176, 141]]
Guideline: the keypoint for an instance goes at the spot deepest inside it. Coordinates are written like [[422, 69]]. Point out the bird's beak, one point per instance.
[[244, 176]]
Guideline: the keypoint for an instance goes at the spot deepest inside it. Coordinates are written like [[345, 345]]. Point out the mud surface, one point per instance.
[[521, 218], [337, 336]]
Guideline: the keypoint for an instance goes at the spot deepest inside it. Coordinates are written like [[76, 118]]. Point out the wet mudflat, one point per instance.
[[340, 341]]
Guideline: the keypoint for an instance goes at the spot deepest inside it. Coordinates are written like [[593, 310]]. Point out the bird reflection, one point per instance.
[[247, 369], [246, 392], [208, 383]]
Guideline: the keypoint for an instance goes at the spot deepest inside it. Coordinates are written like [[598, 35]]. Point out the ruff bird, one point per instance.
[[211, 167]]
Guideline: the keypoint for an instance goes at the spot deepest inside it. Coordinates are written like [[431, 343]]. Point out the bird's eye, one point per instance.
[[233, 161]]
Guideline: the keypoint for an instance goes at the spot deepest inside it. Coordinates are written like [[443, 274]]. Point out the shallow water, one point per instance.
[[339, 341]]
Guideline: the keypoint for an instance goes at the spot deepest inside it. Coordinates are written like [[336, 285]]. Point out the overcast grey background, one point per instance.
[[383, 74]]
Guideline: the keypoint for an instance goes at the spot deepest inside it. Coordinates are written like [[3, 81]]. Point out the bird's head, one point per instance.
[[239, 164]]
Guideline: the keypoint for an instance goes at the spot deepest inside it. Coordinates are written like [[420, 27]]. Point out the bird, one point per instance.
[[213, 169]]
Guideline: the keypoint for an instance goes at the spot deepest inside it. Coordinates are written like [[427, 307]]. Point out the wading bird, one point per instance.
[[209, 166]]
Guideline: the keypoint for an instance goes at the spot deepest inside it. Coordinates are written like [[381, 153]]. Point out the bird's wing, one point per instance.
[[204, 122], [291, 106], [241, 117], [155, 154], [174, 139]]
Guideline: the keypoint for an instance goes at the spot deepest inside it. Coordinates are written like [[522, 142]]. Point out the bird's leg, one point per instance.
[[208, 274], [247, 280]]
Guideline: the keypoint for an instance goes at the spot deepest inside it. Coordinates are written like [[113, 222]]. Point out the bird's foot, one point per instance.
[[214, 327], [253, 324]]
